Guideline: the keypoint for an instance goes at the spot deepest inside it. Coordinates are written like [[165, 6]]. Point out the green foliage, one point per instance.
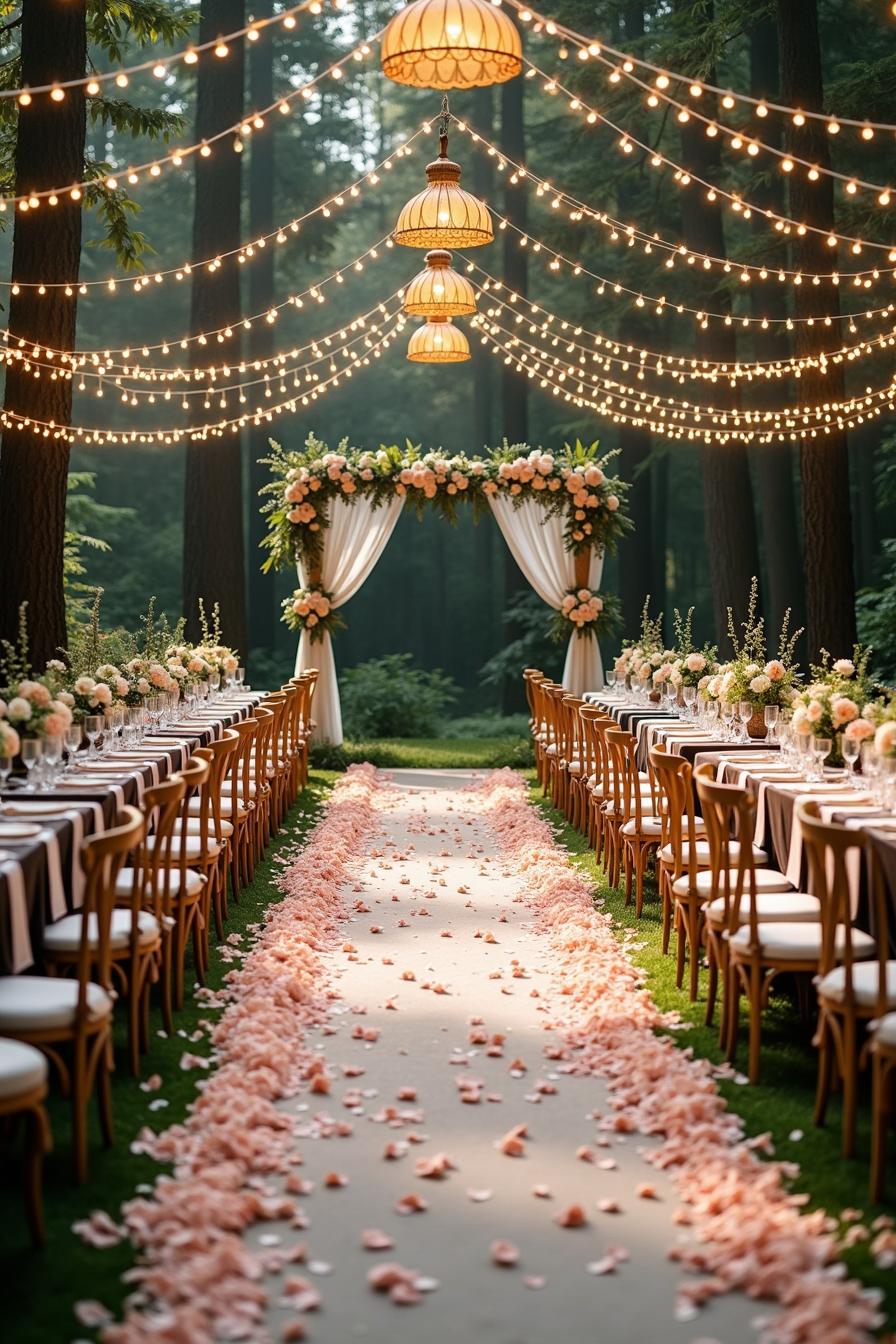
[[391, 697], [85, 518], [876, 615], [485, 753], [531, 644], [486, 725]]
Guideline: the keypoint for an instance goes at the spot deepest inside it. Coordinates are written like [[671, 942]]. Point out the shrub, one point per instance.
[[486, 725], [392, 697]]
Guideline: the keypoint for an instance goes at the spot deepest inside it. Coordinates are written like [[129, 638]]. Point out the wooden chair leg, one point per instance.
[[104, 1092], [755, 1021], [880, 1121], [850, 1075], [79, 1108], [37, 1143], [825, 1071]]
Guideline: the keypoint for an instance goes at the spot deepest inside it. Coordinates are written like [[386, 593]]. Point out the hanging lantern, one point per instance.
[[444, 215], [438, 291], [438, 341], [451, 44]]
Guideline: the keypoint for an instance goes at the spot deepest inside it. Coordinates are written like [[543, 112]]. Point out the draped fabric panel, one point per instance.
[[536, 544], [353, 543]]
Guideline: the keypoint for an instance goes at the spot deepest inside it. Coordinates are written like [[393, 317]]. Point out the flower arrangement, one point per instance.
[[881, 715], [690, 666], [643, 658], [31, 706], [10, 742], [574, 483], [585, 613], [751, 675], [312, 609], [832, 702]]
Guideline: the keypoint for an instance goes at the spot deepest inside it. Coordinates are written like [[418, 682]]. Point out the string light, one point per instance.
[[243, 254], [153, 168], [392, 327], [684, 177], [593, 47], [677, 251], [678, 367], [161, 66]]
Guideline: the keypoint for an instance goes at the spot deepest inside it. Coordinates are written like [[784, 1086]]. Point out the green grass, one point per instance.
[[41, 1287], [783, 1101], [434, 753]]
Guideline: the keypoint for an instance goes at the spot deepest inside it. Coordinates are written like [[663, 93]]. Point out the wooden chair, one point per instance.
[[238, 805], [883, 1098], [572, 759], [186, 888], [761, 950], [212, 830], [732, 880], [638, 827], [682, 854], [258, 785], [23, 1091], [854, 986], [74, 1015]]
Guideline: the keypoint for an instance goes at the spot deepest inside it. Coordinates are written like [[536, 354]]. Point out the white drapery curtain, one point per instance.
[[353, 542], [536, 544]]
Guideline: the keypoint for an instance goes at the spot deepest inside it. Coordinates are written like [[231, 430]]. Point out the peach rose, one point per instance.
[[775, 670], [859, 730], [843, 710]]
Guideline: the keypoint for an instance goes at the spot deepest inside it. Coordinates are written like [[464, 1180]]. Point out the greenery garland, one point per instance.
[[573, 483]]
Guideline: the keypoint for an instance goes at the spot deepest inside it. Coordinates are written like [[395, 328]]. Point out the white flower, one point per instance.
[[18, 710], [85, 685], [845, 667], [759, 685], [885, 739]]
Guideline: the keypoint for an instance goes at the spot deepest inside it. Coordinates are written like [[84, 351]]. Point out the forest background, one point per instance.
[[451, 596]]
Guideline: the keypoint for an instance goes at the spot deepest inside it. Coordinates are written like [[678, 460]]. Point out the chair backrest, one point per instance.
[[625, 781], [102, 857], [276, 703], [218, 754], [161, 805], [588, 714], [729, 813], [836, 855], [601, 725], [194, 776], [673, 777], [530, 676], [238, 781], [571, 727], [266, 724]]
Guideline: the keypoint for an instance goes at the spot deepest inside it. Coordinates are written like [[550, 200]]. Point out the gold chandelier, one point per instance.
[[451, 44], [438, 341], [439, 291], [443, 215]]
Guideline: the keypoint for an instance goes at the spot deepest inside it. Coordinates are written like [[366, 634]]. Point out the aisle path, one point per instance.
[[440, 944]]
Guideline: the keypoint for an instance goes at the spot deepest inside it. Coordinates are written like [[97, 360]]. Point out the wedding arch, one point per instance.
[[330, 514]]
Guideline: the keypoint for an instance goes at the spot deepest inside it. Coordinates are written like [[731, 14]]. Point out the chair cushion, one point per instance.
[[701, 853], [194, 848], [194, 807], [799, 941], [865, 981], [651, 827], [885, 1031], [193, 882], [767, 880], [794, 907], [40, 1003], [65, 934], [194, 827], [22, 1069]]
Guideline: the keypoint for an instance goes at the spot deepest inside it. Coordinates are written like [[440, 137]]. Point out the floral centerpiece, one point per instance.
[[642, 659], [881, 715], [312, 609], [689, 665], [752, 677], [584, 613], [832, 703], [10, 742], [31, 706]]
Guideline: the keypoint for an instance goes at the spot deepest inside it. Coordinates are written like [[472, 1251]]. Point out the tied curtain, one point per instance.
[[536, 544], [353, 542]]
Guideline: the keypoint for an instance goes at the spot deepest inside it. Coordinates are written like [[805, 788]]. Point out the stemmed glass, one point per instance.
[[93, 727], [609, 677], [52, 757], [770, 717], [32, 750], [689, 694], [72, 743], [849, 750], [154, 710], [711, 714], [5, 768], [745, 714], [821, 750], [137, 721], [241, 677], [726, 709], [870, 765], [214, 682]]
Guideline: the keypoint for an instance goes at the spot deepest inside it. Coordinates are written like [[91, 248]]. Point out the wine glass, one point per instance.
[[73, 736], [32, 750], [154, 710], [241, 677], [93, 726], [770, 717], [870, 764], [821, 750], [609, 677], [137, 721], [689, 695], [849, 750], [726, 711], [5, 768], [711, 714], [52, 757], [214, 682], [745, 714]]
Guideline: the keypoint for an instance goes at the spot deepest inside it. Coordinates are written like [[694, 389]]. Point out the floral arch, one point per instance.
[[330, 514]]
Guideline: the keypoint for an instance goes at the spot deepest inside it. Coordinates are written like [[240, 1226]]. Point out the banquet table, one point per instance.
[[40, 873], [778, 788], [652, 725]]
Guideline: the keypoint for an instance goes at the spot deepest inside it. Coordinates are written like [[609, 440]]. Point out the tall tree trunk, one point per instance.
[[638, 561], [261, 591], [824, 460], [483, 432], [729, 519], [46, 247], [214, 558], [514, 387], [773, 462]]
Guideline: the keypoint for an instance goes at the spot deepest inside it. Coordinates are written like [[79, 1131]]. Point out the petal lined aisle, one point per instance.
[[430, 1129]]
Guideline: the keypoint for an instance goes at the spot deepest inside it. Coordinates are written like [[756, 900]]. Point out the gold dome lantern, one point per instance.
[[443, 215], [451, 44], [438, 341], [439, 291]]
